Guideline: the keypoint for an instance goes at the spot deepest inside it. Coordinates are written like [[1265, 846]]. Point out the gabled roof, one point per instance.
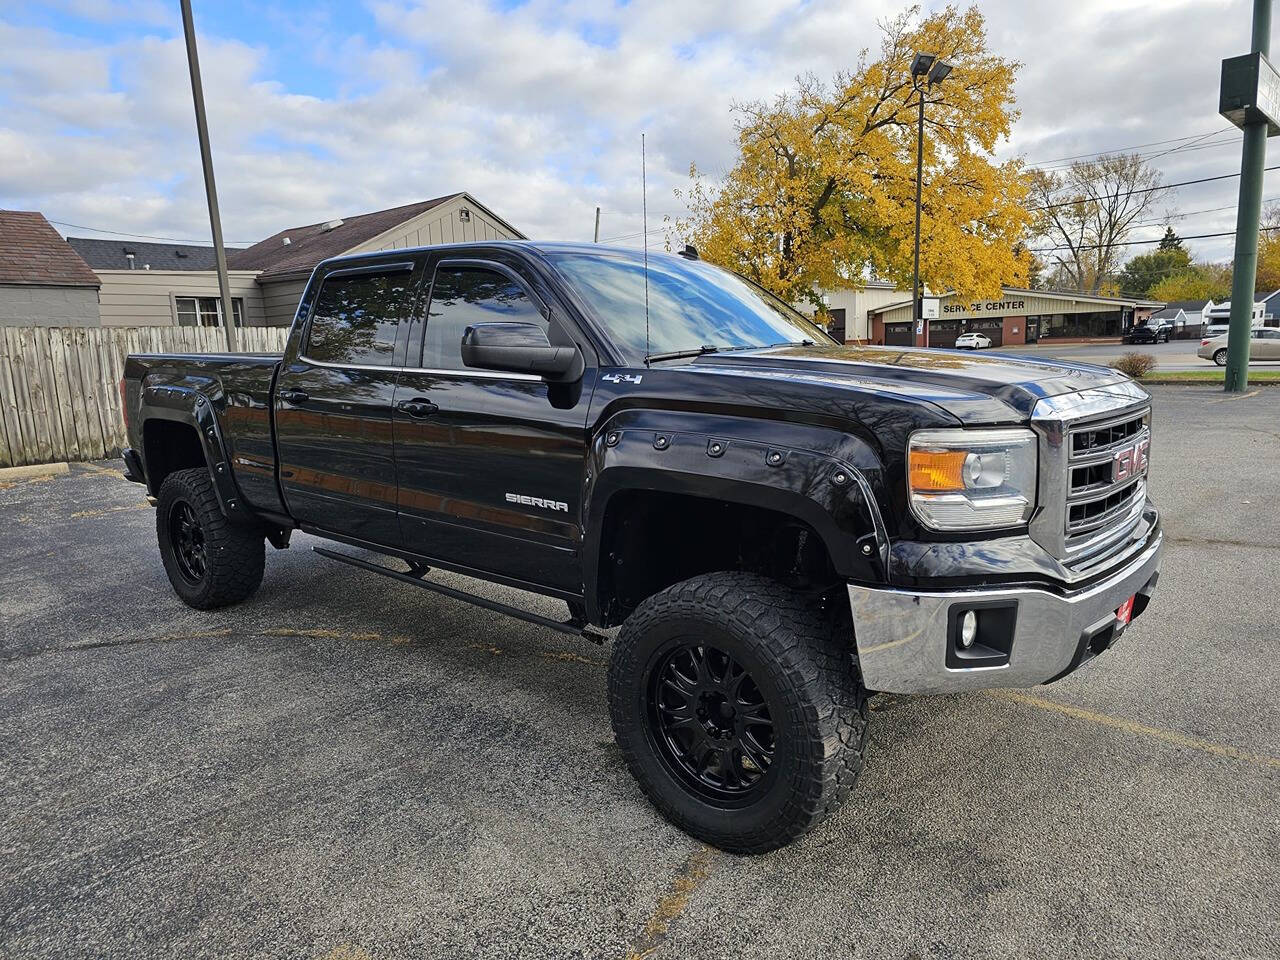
[[310, 244], [1191, 306], [113, 254], [32, 252]]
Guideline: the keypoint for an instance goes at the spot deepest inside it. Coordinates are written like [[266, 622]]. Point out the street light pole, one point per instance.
[[926, 70], [916, 299], [210, 189], [1244, 271]]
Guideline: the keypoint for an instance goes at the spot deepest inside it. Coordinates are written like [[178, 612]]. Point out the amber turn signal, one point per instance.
[[937, 470]]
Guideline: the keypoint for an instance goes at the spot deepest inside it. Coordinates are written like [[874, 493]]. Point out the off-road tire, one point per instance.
[[234, 555], [1220, 357], [808, 675]]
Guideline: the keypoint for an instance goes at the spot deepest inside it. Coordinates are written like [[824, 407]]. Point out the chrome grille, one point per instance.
[[1087, 515], [1101, 510]]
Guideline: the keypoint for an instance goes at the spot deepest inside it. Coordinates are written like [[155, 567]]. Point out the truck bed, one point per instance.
[[239, 387]]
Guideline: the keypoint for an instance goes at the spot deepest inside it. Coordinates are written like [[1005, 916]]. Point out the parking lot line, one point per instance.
[[1141, 729]]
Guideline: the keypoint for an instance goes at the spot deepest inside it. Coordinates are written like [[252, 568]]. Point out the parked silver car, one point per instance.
[[1264, 344]]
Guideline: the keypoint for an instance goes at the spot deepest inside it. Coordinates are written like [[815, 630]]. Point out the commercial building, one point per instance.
[[1018, 316], [849, 310]]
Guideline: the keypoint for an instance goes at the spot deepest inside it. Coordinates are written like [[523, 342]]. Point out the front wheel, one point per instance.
[[1220, 357], [739, 714], [210, 561]]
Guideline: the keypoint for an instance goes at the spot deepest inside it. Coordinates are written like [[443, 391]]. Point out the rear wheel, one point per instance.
[[1220, 357], [738, 712], [210, 561]]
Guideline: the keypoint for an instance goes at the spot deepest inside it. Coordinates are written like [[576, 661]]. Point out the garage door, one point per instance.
[[943, 333], [898, 334], [992, 328]]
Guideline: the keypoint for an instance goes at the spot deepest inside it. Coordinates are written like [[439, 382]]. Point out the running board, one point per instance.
[[566, 626]]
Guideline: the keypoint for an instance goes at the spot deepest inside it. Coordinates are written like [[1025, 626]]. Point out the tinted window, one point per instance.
[[462, 296], [691, 304], [356, 318]]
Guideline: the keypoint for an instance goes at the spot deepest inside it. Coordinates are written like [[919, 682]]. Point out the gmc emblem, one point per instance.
[[1130, 462]]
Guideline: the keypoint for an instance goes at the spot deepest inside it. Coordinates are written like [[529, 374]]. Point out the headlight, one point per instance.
[[972, 479]]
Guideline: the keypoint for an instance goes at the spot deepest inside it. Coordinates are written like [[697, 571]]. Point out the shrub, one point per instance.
[[1135, 364]]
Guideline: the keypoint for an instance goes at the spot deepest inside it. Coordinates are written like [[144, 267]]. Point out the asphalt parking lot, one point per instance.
[[348, 768], [1171, 356]]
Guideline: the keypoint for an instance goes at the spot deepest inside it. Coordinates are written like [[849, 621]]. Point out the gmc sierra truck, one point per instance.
[[780, 524]]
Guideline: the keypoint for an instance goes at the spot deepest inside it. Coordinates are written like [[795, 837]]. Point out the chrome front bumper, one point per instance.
[[903, 637]]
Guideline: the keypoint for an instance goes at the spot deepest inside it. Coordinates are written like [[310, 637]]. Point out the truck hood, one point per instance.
[[974, 388]]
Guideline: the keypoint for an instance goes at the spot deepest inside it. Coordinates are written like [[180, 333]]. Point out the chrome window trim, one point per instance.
[[483, 374]]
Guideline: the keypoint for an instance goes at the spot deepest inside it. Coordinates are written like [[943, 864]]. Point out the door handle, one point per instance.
[[294, 396], [419, 408]]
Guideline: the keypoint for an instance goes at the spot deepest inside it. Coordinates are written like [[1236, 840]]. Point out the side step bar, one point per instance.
[[567, 626]]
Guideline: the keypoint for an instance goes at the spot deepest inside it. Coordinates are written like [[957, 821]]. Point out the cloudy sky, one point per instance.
[[322, 109]]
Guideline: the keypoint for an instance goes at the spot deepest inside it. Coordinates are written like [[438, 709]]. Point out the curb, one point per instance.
[[1162, 382], [33, 470]]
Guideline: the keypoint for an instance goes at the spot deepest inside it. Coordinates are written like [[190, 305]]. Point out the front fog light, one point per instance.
[[968, 629]]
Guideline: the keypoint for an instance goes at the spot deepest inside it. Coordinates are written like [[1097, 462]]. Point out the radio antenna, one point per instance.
[[644, 216]]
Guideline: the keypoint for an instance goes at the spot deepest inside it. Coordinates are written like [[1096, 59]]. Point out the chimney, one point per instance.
[[129, 257]]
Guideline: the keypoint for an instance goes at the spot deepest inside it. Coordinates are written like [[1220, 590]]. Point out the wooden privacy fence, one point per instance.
[[60, 386]]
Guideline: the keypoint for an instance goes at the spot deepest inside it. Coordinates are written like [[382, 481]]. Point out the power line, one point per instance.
[[632, 236], [145, 236], [1130, 193], [1133, 243], [1136, 146]]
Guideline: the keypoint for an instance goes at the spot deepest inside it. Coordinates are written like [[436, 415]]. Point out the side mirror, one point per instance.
[[518, 348]]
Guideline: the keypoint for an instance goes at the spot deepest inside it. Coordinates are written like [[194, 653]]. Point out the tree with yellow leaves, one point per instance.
[[823, 191]]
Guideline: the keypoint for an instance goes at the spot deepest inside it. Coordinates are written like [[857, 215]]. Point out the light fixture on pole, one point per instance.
[[926, 71]]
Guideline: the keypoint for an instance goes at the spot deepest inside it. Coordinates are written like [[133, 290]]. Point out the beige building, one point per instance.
[[1018, 316], [850, 309], [176, 284]]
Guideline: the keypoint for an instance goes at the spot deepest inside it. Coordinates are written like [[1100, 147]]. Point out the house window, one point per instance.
[[207, 311]]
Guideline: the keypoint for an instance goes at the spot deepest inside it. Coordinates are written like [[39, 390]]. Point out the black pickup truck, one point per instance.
[[781, 525]]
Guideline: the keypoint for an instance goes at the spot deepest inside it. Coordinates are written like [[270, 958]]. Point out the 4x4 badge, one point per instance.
[[623, 377]]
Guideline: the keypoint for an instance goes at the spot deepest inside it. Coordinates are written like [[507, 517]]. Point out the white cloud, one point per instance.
[[538, 110]]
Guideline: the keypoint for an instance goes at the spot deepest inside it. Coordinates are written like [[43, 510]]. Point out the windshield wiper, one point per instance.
[[681, 354]]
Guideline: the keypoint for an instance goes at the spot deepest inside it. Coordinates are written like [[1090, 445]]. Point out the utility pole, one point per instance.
[[210, 189], [596, 238], [1249, 107]]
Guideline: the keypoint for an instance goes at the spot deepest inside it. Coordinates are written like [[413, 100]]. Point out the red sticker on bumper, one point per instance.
[[1124, 612]]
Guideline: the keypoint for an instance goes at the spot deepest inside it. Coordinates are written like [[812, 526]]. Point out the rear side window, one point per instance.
[[462, 296], [356, 318]]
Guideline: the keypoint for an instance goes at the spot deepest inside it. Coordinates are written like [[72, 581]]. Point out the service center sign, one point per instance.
[[981, 308]]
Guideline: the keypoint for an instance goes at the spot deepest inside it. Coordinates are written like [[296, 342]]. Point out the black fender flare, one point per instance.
[[188, 405], [820, 476]]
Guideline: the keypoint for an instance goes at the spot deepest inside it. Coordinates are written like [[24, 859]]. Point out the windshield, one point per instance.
[[691, 304]]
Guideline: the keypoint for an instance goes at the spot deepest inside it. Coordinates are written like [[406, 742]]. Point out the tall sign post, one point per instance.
[[211, 191], [1249, 98]]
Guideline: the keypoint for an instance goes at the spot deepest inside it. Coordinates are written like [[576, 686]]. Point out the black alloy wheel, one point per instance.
[[211, 561], [187, 537], [737, 706], [710, 723]]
